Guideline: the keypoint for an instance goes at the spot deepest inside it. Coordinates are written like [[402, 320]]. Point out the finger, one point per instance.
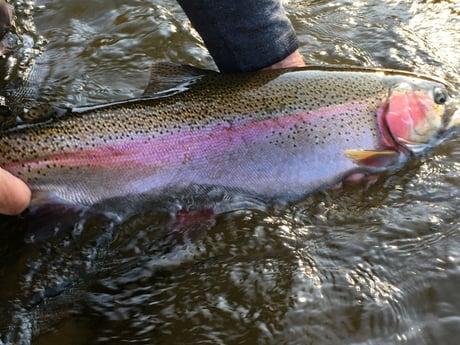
[[14, 194]]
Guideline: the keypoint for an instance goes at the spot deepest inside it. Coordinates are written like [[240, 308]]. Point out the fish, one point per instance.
[[269, 136]]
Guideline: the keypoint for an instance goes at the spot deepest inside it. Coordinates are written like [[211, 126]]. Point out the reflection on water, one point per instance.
[[418, 36], [375, 266]]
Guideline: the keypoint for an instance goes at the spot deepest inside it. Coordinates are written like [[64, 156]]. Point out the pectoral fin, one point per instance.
[[375, 159]]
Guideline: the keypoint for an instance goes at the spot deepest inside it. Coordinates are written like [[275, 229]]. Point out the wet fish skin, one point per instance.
[[275, 134]]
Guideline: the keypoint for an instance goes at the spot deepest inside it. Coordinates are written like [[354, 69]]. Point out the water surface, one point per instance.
[[359, 266]]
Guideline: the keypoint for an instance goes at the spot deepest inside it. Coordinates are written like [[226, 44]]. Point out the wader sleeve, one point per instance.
[[242, 35]]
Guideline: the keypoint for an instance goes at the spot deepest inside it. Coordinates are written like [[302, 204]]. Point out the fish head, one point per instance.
[[418, 115]]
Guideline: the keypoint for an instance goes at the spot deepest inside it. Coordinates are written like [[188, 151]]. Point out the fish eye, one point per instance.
[[440, 95]]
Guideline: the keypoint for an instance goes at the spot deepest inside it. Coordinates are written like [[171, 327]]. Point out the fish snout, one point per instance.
[[453, 117]]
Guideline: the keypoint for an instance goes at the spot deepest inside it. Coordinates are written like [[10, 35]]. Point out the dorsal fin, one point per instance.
[[166, 77]]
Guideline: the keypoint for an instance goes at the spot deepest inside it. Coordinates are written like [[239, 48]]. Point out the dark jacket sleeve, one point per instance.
[[242, 35]]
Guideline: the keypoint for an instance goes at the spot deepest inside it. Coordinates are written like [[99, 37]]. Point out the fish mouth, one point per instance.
[[451, 125], [453, 122]]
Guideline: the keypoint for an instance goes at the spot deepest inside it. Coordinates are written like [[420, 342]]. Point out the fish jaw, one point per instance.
[[414, 119]]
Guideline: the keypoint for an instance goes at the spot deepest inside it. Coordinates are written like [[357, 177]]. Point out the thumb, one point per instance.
[[14, 194]]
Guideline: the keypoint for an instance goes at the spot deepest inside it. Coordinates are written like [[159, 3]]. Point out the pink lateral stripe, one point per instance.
[[178, 148]]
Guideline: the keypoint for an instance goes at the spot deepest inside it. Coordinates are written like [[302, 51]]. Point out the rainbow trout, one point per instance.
[[273, 135]]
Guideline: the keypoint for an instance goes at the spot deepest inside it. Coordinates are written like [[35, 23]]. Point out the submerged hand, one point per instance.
[[14, 194]]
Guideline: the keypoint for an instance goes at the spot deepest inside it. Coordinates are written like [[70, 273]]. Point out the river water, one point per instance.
[[358, 266]]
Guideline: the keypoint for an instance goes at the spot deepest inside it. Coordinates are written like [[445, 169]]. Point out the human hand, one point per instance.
[[293, 60], [14, 194]]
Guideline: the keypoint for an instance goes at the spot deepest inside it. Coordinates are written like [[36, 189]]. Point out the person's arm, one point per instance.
[[14, 194], [245, 35]]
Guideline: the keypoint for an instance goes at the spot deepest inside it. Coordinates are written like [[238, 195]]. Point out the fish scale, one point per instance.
[[274, 134]]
